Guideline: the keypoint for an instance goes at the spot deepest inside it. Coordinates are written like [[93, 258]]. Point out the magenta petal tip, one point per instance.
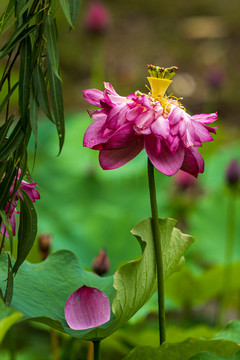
[[86, 308]]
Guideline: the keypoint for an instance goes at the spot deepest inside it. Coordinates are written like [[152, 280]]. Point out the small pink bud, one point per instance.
[[101, 263], [233, 172], [44, 244], [86, 308], [184, 181], [97, 17]]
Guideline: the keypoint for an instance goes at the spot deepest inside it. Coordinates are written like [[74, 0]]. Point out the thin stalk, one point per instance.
[[96, 345], [55, 344], [158, 252], [90, 351]]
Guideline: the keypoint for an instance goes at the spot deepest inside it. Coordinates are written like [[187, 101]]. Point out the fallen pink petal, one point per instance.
[[86, 308]]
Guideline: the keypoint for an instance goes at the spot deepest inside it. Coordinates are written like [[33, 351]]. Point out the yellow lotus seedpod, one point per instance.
[[158, 86], [160, 78]]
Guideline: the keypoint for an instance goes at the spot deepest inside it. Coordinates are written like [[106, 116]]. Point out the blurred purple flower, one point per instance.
[[10, 210], [86, 308], [101, 263], [216, 78], [233, 172], [124, 126], [97, 17]]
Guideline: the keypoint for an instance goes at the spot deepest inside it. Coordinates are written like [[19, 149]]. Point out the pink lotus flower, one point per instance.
[[86, 308], [10, 210], [124, 126]]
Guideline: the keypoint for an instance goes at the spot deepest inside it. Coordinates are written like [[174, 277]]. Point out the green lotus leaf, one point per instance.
[[185, 350], [8, 317], [230, 332], [41, 290]]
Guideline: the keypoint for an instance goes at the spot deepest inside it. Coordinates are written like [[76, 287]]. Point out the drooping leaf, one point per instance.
[[7, 97], [27, 230], [8, 317], [52, 49], [25, 77], [71, 10], [74, 6], [13, 141], [6, 16], [19, 35], [52, 281], [41, 91], [23, 6], [57, 103], [19, 5], [4, 129], [8, 227], [33, 113], [184, 350], [66, 9], [7, 181]]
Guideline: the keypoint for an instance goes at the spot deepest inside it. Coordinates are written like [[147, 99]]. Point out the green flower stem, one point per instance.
[[96, 350], [158, 252], [55, 344]]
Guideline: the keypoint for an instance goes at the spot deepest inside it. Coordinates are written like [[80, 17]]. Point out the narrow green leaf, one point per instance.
[[52, 49], [27, 230], [8, 228], [19, 4], [57, 103], [25, 76], [8, 317], [7, 97], [33, 113], [9, 289], [22, 8], [66, 9], [6, 16], [16, 39], [74, 9], [7, 180], [41, 91], [4, 130], [54, 7], [11, 144]]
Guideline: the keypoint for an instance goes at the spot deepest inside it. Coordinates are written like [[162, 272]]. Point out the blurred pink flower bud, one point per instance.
[[97, 17], [86, 308], [233, 172], [101, 263], [184, 181], [44, 244]]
